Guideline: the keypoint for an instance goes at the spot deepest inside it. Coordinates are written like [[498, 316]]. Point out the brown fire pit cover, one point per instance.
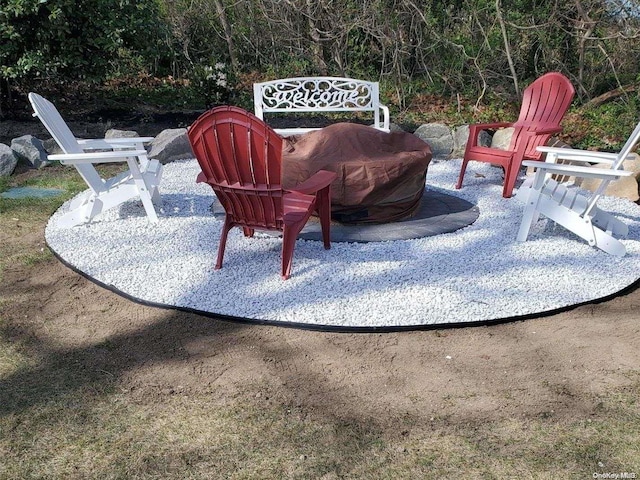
[[381, 176]]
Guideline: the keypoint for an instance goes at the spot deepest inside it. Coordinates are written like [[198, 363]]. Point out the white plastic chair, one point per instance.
[[140, 181], [573, 208]]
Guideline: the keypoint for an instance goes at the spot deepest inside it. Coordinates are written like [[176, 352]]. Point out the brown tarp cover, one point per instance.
[[381, 176]]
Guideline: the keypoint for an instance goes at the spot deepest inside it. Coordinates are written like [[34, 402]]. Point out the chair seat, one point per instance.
[[488, 152]]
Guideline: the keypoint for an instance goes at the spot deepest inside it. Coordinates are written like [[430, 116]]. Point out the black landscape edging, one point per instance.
[[348, 329]]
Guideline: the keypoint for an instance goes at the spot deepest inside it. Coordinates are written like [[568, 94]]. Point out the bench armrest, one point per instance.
[[385, 117]]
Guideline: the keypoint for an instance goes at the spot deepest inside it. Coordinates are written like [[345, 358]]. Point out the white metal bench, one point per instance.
[[319, 94]]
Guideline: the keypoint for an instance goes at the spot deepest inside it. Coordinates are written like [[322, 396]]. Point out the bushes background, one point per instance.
[[476, 54]]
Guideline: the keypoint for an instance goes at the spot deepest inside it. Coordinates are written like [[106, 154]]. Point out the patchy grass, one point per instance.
[[25, 217], [98, 432]]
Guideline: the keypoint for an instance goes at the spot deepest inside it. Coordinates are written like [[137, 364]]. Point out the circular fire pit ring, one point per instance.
[[437, 213]]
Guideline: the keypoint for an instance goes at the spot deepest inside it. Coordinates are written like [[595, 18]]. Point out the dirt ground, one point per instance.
[[553, 367], [545, 366]]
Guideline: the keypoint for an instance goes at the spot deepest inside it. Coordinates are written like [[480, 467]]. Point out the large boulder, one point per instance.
[[438, 136], [461, 137], [171, 145], [8, 160], [31, 150], [394, 127], [624, 187], [115, 133], [52, 147], [502, 138]]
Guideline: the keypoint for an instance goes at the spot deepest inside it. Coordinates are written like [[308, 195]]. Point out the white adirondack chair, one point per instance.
[[573, 208], [141, 180]]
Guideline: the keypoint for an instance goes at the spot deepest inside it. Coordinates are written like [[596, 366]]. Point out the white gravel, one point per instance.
[[476, 274]]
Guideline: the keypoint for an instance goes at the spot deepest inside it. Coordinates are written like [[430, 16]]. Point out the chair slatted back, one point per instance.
[[54, 123], [628, 147], [626, 150], [58, 129], [544, 104], [240, 157]]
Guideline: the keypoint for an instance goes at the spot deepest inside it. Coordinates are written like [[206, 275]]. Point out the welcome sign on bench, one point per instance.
[[319, 94]]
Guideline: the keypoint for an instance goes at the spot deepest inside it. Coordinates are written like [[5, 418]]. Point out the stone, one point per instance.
[[624, 187], [394, 127], [484, 138], [115, 133], [171, 145], [461, 137], [31, 150], [438, 136], [8, 160], [52, 147], [502, 138], [557, 143]]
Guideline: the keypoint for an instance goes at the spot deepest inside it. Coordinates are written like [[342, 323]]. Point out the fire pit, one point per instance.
[[381, 176]]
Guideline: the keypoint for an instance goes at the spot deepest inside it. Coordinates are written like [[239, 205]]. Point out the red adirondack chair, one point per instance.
[[544, 104], [240, 157]]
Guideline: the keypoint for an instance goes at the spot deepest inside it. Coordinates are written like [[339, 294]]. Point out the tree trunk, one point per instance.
[[317, 49], [610, 95], [228, 34], [507, 48], [585, 26]]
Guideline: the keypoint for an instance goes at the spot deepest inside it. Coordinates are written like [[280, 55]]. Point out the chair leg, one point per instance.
[[223, 242], [511, 172], [152, 175], [288, 244], [610, 224], [608, 244], [463, 169], [147, 202], [324, 212], [156, 199], [528, 218], [510, 178]]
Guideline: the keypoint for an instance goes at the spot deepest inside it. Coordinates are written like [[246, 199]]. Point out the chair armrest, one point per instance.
[[542, 131], [576, 170], [99, 143], [489, 126], [115, 141], [579, 155], [319, 180], [100, 157]]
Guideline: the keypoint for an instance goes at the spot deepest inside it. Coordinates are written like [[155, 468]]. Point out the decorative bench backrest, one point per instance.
[[319, 94]]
